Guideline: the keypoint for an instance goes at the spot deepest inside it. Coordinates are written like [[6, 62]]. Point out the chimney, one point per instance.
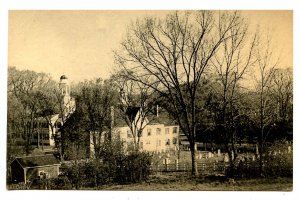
[[157, 115]]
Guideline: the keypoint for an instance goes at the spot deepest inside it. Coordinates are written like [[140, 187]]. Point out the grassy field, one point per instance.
[[183, 183]]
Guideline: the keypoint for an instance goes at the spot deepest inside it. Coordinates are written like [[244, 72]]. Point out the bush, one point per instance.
[[277, 162], [245, 169], [75, 175], [119, 168], [133, 168], [60, 183]]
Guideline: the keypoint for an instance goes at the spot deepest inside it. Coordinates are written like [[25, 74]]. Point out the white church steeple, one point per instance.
[[67, 101], [64, 86]]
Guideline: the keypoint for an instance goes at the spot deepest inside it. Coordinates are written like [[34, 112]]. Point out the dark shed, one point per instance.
[[33, 167]]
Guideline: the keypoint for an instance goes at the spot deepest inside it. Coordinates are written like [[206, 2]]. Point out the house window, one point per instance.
[[44, 175], [167, 130], [41, 173], [158, 131], [148, 142], [149, 131], [174, 140], [174, 130]]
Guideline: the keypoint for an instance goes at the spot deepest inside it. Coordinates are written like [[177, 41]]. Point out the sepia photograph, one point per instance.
[[150, 100]]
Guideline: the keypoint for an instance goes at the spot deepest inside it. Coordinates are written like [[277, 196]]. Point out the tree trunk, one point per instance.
[[260, 152], [194, 161], [42, 141], [38, 139]]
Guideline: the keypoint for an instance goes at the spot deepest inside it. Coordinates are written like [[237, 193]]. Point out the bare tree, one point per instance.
[[231, 62], [283, 93], [266, 65], [170, 56], [136, 105]]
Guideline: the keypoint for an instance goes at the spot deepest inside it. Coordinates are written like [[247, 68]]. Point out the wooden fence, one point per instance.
[[204, 167]]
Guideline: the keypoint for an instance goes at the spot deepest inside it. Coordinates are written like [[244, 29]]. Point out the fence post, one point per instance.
[[166, 164]]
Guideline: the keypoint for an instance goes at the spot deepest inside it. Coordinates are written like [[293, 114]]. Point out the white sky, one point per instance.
[[80, 43]]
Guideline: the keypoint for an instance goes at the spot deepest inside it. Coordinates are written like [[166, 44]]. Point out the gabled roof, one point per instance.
[[131, 112], [163, 118], [37, 161]]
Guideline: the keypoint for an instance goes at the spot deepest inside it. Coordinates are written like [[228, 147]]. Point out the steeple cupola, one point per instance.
[[64, 85]]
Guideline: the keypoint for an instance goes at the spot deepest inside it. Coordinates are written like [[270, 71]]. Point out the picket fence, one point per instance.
[[204, 167]]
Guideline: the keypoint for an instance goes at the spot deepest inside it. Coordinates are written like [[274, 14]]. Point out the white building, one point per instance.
[[158, 135], [47, 129]]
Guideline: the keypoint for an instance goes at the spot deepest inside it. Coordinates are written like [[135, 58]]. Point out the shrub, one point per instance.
[[59, 183], [75, 174], [119, 168], [134, 167], [277, 162]]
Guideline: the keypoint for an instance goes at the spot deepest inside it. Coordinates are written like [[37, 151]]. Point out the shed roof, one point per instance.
[[36, 161]]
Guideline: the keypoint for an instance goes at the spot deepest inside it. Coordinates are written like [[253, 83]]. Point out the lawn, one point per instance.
[[184, 183]]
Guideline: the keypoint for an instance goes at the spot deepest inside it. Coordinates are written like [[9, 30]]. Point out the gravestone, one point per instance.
[[219, 152], [226, 158], [289, 149]]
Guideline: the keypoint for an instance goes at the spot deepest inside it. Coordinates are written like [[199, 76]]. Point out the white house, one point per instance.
[[158, 135]]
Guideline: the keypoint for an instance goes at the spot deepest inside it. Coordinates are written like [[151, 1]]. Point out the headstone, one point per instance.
[[289, 149], [226, 158], [219, 152]]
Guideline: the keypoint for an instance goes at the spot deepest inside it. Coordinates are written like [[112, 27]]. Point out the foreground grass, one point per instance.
[[184, 183]]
